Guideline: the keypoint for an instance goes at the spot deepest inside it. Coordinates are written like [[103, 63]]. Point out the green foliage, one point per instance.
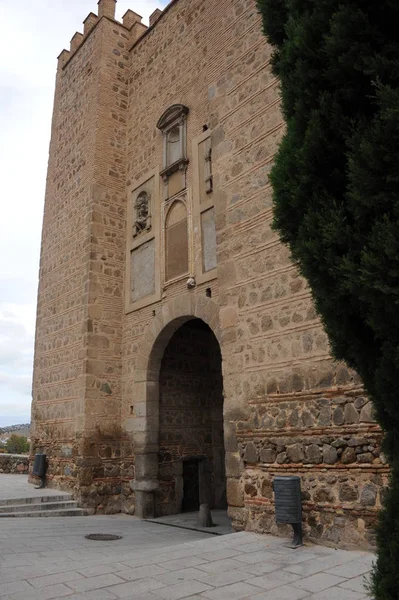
[[336, 198], [17, 444]]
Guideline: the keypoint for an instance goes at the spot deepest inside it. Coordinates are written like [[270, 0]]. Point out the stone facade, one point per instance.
[[158, 211]]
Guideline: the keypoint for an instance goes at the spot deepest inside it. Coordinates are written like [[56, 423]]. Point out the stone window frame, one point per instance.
[[185, 198], [149, 184], [199, 208], [174, 116]]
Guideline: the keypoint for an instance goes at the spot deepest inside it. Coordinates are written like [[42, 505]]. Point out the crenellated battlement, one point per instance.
[[106, 8], [155, 16], [131, 20], [76, 40], [63, 58], [89, 22]]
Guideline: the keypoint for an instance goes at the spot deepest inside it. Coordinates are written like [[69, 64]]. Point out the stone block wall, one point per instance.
[[17, 464], [77, 386], [333, 444], [58, 399], [288, 407]]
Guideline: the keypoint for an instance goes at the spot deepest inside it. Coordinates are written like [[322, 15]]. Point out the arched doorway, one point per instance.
[[145, 423], [191, 440]]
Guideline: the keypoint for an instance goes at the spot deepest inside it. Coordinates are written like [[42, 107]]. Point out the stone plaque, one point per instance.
[[66, 451], [208, 240], [142, 271]]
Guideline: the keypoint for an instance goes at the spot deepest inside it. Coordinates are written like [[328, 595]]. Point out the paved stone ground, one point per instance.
[[189, 520], [45, 559], [17, 486]]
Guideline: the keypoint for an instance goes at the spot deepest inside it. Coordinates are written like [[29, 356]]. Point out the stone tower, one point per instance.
[[77, 383], [179, 358]]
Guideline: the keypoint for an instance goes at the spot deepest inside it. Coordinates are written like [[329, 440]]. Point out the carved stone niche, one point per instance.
[[173, 124], [142, 214]]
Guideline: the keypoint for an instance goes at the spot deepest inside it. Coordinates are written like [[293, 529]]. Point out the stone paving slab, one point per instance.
[[18, 487], [43, 559], [189, 520]]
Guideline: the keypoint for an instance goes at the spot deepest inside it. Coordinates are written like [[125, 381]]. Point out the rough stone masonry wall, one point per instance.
[[58, 402], [290, 409], [104, 445], [284, 396], [14, 463], [77, 395]]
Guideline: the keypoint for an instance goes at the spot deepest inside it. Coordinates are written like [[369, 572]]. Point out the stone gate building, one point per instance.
[[178, 353]]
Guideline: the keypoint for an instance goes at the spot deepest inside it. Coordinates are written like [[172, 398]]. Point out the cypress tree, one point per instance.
[[336, 199]]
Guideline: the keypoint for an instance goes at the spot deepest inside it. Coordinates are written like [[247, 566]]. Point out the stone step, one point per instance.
[[36, 499], [17, 507], [69, 512]]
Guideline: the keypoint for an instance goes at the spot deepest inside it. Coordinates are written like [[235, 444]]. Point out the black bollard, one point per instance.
[[288, 505], [39, 469]]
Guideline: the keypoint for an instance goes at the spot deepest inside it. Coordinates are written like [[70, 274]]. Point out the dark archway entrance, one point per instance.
[[191, 442]]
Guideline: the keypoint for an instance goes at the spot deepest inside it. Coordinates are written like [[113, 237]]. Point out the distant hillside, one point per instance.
[[22, 429]]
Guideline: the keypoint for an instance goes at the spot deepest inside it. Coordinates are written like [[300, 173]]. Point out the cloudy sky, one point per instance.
[[33, 34]]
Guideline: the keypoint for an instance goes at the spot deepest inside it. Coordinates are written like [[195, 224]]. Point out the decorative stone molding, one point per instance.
[[145, 486], [172, 115], [178, 165], [173, 126]]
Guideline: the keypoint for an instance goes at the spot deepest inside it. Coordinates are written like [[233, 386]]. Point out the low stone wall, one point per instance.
[[14, 463]]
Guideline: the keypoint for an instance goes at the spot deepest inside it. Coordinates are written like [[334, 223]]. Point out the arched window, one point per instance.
[[176, 241]]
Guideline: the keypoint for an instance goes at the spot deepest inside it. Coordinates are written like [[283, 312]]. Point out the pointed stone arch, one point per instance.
[[171, 316]]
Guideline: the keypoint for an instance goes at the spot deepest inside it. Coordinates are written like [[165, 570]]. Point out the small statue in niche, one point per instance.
[[142, 214]]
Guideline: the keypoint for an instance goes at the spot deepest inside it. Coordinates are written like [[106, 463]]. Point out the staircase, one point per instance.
[[41, 506]]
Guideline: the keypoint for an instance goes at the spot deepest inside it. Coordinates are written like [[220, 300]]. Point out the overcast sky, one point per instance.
[[33, 33]]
